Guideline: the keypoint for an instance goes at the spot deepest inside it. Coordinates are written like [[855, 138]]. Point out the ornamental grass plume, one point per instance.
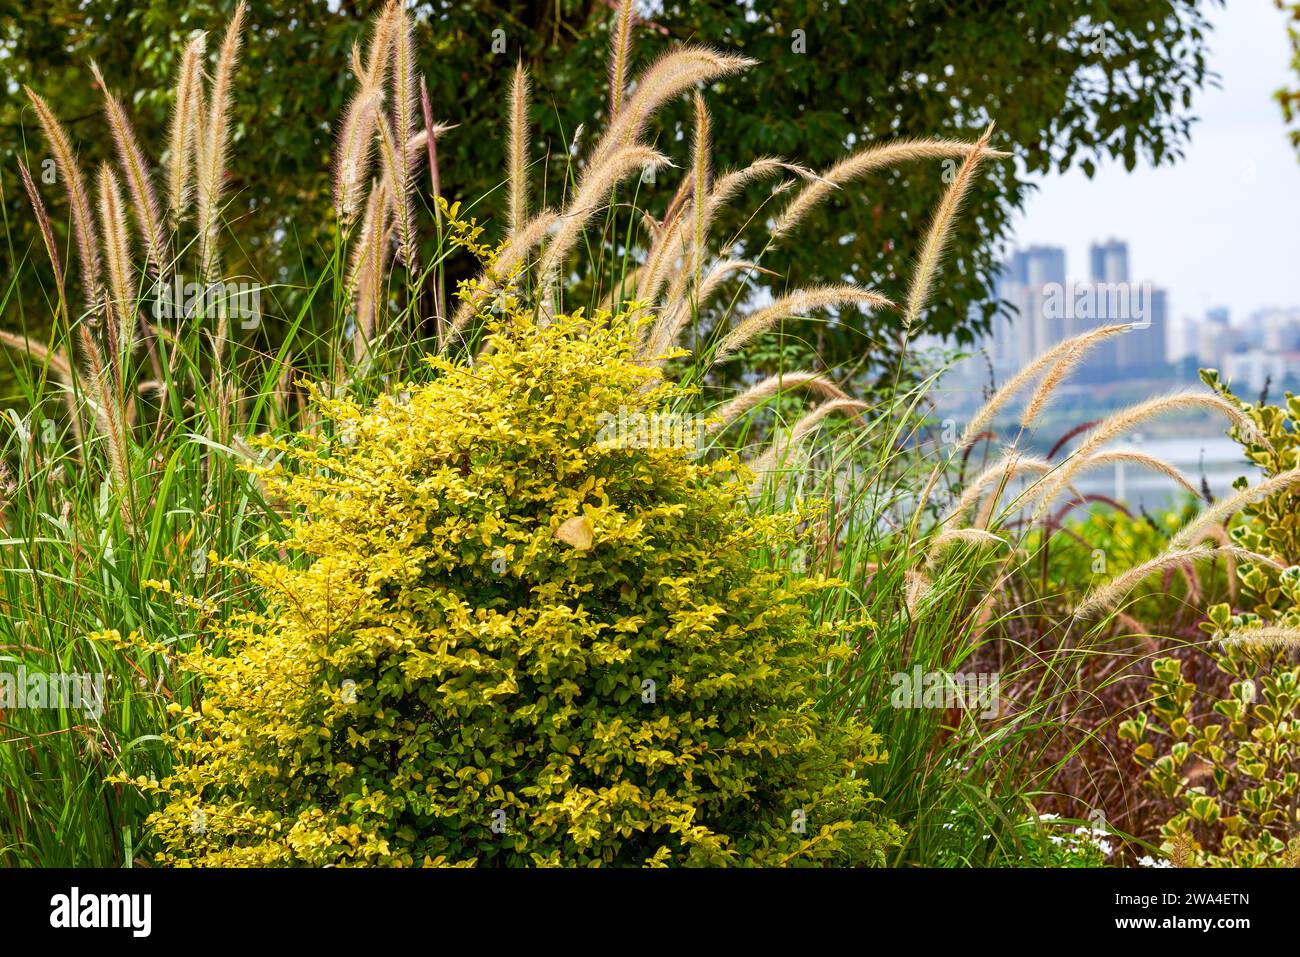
[[1106, 596]]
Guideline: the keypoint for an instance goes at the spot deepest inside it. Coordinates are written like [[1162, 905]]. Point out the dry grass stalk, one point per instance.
[[1268, 636], [404, 107], [797, 303], [367, 273], [47, 234], [670, 240], [672, 74], [1215, 515], [184, 141], [984, 417], [117, 254], [701, 174], [355, 151], [374, 73], [1098, 459], [778, 384], [1106, 596], [865, 161], [946, 540], [620, 54], [1003, 470], [517, 150], [936, 238], [594, 189], [82, 224], [215, 148], [802, 428], [106, 403], [144, 200], [916, 585], [1119, 423]]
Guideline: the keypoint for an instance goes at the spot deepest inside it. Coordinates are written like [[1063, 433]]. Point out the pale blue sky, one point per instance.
[[1221, 227]]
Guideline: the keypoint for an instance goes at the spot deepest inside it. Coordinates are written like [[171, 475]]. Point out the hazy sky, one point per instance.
[[1220, 227]]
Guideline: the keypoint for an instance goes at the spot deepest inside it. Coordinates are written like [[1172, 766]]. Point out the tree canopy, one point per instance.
[[1064, 86]]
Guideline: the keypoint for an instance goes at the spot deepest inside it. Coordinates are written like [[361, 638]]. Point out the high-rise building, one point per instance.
[[1050, 310], [1145, 347], [1108, 261]]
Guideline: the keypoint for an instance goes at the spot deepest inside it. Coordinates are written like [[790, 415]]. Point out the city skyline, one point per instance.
[[1213, 227], [1051, 304]]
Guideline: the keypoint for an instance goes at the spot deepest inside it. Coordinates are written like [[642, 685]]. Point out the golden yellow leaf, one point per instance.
[[576, 532]]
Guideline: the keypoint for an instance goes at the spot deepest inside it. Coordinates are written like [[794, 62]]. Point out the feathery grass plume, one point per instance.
[[1115, 425], [1105, 597], [1221, 511], [945, 541], [916, 585], [721, 270], [374, 73], [687, 279], [985, 415], [936, 238], [805, 425], [518, 150], [1048, 385], [117, 254], [1098, 459], [797, 303], [47, 235], [108, 419], [863, 162], [701, 174], [668, 325], [365, 284], [82, 224], [144, 200], [508, 260], [670, 235], [1269, 636], [1007, 467], [594, 189], [432, 132], [354, 152], [668, 249], [620, 53], [730, 183], [216, 134], [815, 382], [672, 74], [185, 136], [389, 160], [41, 353], [404, 107]]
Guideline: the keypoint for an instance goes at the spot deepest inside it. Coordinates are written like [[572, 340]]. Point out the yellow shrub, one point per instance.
[[510, 641]]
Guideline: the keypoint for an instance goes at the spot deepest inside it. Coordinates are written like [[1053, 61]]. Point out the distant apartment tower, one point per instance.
[[1108, 261], [1027, 277]]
